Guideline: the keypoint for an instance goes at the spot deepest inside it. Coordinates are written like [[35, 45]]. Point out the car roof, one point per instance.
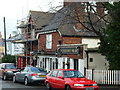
[[65, 69]]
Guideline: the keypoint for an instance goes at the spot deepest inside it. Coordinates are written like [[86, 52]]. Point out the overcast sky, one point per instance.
[[14, 10]]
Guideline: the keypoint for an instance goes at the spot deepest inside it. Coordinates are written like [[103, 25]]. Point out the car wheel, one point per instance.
[[48, 86], [68, 87], [14, 79], [26, 81], [4, 77]]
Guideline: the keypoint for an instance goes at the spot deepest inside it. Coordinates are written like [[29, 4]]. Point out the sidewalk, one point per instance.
[[108, 87]]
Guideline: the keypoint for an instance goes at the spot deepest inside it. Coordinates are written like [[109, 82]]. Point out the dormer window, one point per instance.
[[49, 41]]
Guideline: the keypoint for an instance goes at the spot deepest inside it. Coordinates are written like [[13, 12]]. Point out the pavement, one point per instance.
[[108, 87]]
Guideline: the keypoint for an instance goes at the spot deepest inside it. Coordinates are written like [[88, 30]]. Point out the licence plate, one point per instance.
[[90, 88], [42, 75]]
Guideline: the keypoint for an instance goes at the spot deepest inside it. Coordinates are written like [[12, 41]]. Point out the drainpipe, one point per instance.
[[87, 60]]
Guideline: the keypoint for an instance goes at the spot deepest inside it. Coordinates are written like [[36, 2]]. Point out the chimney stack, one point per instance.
[[100, 9]]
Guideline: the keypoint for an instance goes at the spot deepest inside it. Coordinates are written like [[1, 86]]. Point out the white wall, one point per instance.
[[99, 62], [81, 66], [14, 49], [91, 42]]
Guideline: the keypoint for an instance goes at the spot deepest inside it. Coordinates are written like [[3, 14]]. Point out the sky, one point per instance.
[[14, 10]]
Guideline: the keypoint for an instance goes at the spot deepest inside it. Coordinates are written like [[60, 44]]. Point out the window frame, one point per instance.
[[58, 73], [49, 41], [52, 75]]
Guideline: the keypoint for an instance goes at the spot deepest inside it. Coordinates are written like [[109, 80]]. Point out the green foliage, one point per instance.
[[9, 59], [110, 45]]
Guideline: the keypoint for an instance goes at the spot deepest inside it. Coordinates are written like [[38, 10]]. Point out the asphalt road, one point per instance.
[[9, 85]]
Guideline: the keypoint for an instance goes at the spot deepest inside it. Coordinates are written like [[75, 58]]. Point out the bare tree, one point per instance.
[[87, 16]]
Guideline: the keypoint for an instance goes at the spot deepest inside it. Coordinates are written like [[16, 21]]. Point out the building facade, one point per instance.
[[56, 41], [2, 46]]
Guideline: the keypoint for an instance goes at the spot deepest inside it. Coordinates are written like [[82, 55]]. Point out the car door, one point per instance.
[[60, 82], [0, 70], [24, 73], [21, 75], [52, 78]]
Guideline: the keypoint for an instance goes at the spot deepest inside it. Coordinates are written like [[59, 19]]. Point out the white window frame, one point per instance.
[[49, 41]]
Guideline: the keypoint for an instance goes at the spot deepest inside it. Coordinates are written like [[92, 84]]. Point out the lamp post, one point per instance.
[[5, 36]]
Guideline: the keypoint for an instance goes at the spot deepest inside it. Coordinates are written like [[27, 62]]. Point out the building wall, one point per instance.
[[72, 40], [63, 59], [91, 42], [42, 41], [14, 49], [99, 61], [55, 41], [2, 50]]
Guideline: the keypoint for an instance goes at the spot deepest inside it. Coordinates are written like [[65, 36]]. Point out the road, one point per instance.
[[9, 85]]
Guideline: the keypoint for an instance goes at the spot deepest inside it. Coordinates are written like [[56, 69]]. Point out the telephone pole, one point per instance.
[[5, 36]]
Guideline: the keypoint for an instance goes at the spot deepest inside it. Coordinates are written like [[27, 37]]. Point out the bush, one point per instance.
[[8, 59]]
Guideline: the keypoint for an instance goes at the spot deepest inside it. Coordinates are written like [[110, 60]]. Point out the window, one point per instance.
[[26, 69], [54, 73], [73, 74], [35, 69], [49, 41], [91, 59], [59, 73], [10, 66]]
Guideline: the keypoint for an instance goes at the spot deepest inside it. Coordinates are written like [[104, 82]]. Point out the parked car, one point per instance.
[[69, 79], [7, 70], [29, 75]]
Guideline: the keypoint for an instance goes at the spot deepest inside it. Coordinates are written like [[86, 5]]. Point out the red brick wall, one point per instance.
[[42, 41], [72, 40], [55, 38]]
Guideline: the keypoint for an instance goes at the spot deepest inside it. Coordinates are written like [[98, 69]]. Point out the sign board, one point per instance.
[[70, 50]]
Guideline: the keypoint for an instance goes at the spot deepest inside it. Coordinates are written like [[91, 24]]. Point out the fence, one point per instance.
[[111, 77]]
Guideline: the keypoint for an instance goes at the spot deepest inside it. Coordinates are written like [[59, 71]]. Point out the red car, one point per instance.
[[7, 70], [69, 79]]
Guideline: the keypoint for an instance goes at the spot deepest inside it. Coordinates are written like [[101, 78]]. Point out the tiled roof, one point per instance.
[[65, 25], [41, 18], [56, 20], [16, 37]]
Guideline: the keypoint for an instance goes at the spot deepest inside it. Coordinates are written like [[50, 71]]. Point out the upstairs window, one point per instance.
[[49, 41]]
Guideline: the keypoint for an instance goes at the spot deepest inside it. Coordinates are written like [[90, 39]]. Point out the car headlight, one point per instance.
[[78, 85], [94, 84]]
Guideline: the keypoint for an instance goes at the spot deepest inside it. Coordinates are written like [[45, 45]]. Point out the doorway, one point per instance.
[[76, 64]]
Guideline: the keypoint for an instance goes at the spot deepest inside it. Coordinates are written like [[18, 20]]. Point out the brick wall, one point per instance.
[[72, 40], [55, 41], [42, 41]]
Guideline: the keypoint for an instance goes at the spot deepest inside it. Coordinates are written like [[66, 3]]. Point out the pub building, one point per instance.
[[60, 45]]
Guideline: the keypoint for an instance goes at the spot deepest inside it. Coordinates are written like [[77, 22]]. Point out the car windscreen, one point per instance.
[[10, 66], [73, 74], [35, 69]]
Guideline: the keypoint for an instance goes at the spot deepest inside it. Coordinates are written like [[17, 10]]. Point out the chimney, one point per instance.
[[67, 2], [0, 35], [100, 9]]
